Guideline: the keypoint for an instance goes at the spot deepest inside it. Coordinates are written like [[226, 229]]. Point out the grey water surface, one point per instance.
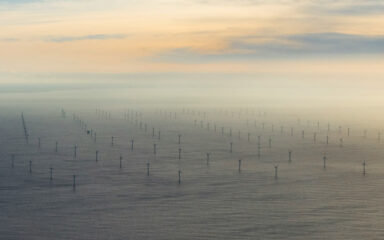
[[214, 199]]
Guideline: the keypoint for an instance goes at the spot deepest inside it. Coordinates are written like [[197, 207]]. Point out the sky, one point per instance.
[[59, 39]]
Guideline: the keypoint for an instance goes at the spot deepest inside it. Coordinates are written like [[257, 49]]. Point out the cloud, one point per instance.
[[19, 1], [345, 8], [314, 45], [356, 10], [86, 37], [9, 39]]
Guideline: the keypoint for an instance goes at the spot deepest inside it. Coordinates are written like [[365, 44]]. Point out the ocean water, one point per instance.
[[214, 200]]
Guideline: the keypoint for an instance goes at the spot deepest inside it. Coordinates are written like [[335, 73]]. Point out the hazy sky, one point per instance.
[[300, 37]]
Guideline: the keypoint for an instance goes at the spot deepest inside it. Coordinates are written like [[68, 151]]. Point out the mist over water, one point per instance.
[[190, 119], [264, 121]]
